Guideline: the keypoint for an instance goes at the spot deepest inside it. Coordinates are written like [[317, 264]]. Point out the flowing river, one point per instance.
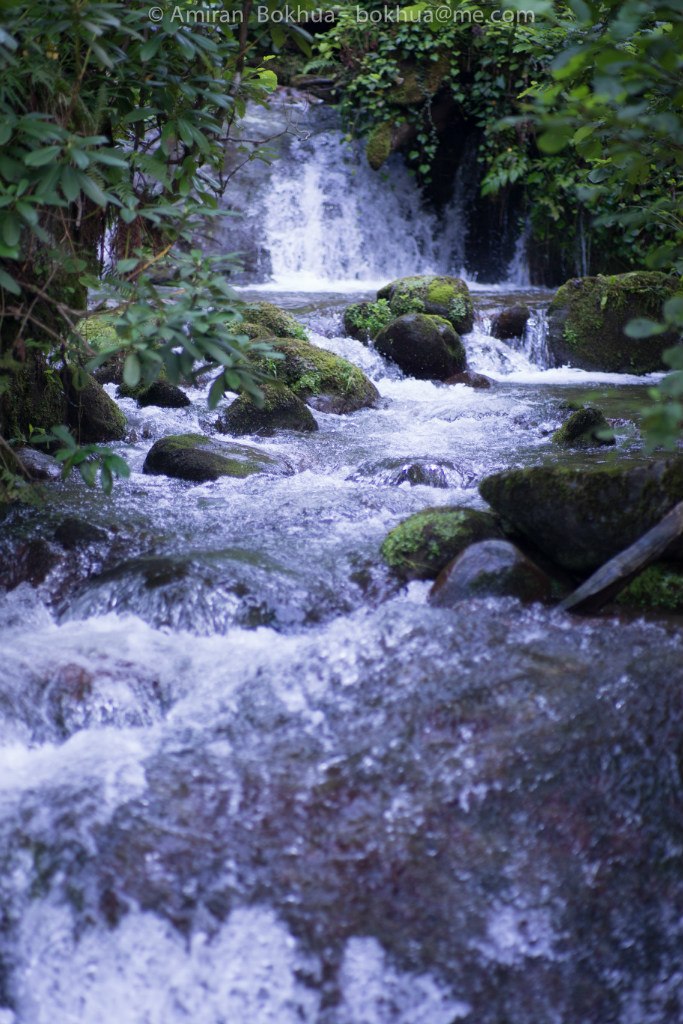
[[245, 778]]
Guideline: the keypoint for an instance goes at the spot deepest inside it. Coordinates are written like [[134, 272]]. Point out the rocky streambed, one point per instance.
[[251, 773]]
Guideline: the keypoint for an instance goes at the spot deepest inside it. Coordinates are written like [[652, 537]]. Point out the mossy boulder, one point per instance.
[[253, 330], [423, 346], [448, 297], [580, 518], [585, 428], [421, 546], [323, 380], [364, 320], [100, 334], [281, 410], [379, 144], [587, 317], [93, 416], [657, 588], [160, 393], [417, 83], [491, 568], [198, 458], [271, 322], [510, 322]]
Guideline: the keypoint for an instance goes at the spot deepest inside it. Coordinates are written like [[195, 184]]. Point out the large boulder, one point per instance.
[[271, 321], [281, 410], [492, 568], [580, 518], [93, 416], [423, 346], [323, 380], [448, 297], [198, 458], [587, 317], [421, 546]]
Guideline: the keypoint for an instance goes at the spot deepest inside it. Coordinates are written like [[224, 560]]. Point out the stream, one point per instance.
[[247, 778]]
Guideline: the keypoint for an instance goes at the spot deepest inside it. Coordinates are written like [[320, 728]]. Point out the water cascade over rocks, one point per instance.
[[249, 774]]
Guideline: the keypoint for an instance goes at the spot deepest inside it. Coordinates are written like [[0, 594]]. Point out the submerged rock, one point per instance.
[[393, 472], [585, 428], [281, 410], [421, 546], [448, 297], [327, 382], [271, 321], [364, 320], [423, 346], [160, 393], [197, 458], [73, 533], [510, 323], [580, 518], [470, 379], [491, 568], [587, 317]]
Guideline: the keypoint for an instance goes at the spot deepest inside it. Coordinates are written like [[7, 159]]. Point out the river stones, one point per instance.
[[580, 518], [423, 346], [510, 322], [587, 317], [323, 380], [281, 410], [197, 458], [421, 546], [492, 568], [392, 472], [448, 297], [271, 321], [160, 393], [470, 379], [585, 428]]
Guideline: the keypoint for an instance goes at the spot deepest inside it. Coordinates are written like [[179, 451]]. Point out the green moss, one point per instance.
[[658, 587], [272, 321], [197, 458], [587, 317], [443, 296], [313, 372], [378, 146], [364, 320], [421, 546], [32, 396], [584, 428], [281, 410], [254, 330]]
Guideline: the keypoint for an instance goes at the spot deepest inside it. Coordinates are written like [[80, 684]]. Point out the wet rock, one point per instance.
[[470, 379], [423, 346], [364, 320], [587, 317], [510, 322], [39, 465], [281, 410], [160, 393], [323, 380], [271, 320], [421, 546], [73, 532], [29, 562], [492, 568], [580, 518], [394, 472], [585, 428], [197, 458], [93, 416], [448, 297]]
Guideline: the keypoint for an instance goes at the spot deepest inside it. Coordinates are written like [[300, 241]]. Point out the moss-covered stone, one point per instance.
[[197, 458], [364, 320], [271, 322], [657, 588], [585, 428], [254, 330], [160, 393], [32, 397], [423, 346], [580, 518], [327, 382], [421, 546], [587, 317], [448, 297], [416, 84], [490, 568], [281, 410], [93, 416], [379, 144]]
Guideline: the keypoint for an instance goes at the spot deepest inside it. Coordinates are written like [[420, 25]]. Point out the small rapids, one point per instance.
[[245, 778]]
